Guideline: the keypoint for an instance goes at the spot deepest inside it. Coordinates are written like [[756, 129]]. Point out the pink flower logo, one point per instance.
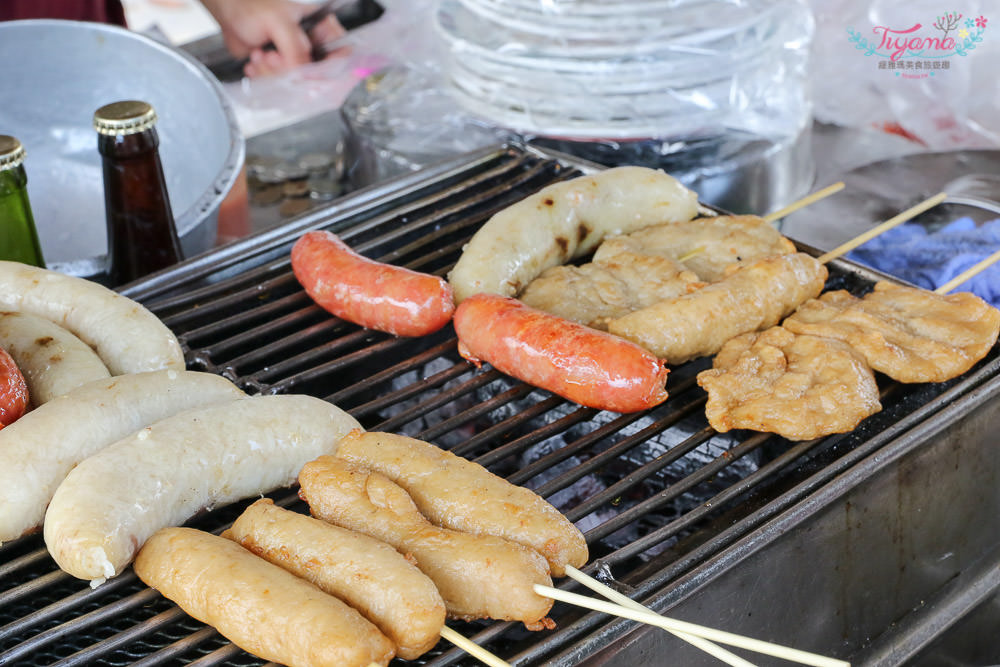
[[981, 22]]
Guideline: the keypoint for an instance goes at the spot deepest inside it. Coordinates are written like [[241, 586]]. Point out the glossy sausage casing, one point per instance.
[[373, 294], [13, 391], [587, 366]]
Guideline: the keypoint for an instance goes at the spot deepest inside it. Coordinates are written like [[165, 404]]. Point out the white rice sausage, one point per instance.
[[256, 605], [459, 494], [39, 449], [52, 360], [366, 573], [127, 337], [564, 221], [165, 473]]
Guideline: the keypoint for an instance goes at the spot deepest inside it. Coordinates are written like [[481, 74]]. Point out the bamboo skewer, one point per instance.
[[616, 597], [472, 648], [721, 636], [976, 268], [805, 201], [894, 221]]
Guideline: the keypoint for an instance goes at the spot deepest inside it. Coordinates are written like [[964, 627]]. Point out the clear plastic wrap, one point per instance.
[[713, 91]]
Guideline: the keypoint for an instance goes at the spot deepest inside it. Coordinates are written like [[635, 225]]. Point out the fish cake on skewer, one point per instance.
[[366, 573], [597, 292], [479, 576], [456, 493], [910, 334], [706, 246], [798, 386], [751, 298], [258, 606]]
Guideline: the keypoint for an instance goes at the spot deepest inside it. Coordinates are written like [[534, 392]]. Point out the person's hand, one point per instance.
[[247, 25]]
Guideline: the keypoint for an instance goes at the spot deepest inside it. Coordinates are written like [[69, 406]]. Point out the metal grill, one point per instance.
[[656, 493]]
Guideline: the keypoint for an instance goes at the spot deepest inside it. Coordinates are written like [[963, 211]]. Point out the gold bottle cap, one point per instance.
[[126, 117], [11, 152]]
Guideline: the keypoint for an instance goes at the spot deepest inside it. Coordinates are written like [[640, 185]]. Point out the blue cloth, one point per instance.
[[929, 260]]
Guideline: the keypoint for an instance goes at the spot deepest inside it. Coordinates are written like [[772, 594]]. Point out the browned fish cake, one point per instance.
[[798, 386], [910, 334], [478, 576], [706, 246], [596, 292], [751, 298]]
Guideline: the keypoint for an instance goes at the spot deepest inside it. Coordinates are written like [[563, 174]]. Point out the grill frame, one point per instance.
[[256, 270]]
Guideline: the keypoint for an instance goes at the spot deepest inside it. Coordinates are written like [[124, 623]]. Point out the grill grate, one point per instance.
[[656, 493]]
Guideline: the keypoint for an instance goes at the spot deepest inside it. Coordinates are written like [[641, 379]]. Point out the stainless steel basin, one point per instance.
[[58, 73]]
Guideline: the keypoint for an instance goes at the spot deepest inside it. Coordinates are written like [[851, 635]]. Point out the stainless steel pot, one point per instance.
[[55, 74]]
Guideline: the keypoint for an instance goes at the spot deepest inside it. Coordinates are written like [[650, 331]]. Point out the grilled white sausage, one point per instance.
[[162, 475], [39, 449], [258, 606], [459, 494], [127, 337], [366, 573], [52, 360], [563, 221]]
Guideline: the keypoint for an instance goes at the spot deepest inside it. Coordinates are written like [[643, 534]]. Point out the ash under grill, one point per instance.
[[656, 493]]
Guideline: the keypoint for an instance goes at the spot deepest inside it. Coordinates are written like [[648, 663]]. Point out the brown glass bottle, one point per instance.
[[142, 237]]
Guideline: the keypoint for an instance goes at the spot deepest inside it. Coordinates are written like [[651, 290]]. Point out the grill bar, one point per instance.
[[639, 485]]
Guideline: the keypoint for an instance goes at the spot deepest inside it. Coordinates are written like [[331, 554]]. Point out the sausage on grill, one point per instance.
[[375, 295], [127, 337], [584, 365], [52, 360], [39, 450], [564, 221], [162, 475]]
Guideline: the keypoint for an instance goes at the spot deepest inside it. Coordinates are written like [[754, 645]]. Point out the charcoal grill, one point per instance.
[[743, 531]]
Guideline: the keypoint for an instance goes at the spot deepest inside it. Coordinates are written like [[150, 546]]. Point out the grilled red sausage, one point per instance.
[[372, 294], [13, 391], [587, 366]]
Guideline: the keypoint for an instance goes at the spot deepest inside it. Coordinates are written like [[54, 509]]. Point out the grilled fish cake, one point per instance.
[[910, 334], [751, 298], [599, 291], [798, 386], [706, 246]]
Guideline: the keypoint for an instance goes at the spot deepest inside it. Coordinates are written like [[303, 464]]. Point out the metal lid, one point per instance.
[[126, 117], [11, 152]]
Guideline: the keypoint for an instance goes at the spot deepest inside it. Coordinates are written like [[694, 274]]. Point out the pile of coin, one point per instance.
[[294, 185]]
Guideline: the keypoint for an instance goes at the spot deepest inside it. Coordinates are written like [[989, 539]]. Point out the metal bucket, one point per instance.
[[56, 74]]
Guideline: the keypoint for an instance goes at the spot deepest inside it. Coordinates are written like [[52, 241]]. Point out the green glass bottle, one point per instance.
[[18, 238]]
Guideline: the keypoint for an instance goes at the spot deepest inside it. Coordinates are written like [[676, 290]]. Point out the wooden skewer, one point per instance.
[[968, 273], [894, 221], [721, 636], [805, 201], [616, 597], [472, 648]]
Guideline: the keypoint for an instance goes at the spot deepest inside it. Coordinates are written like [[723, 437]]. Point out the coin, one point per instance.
[[295, 188], [323, 188], [266, 195], [291, 207]]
